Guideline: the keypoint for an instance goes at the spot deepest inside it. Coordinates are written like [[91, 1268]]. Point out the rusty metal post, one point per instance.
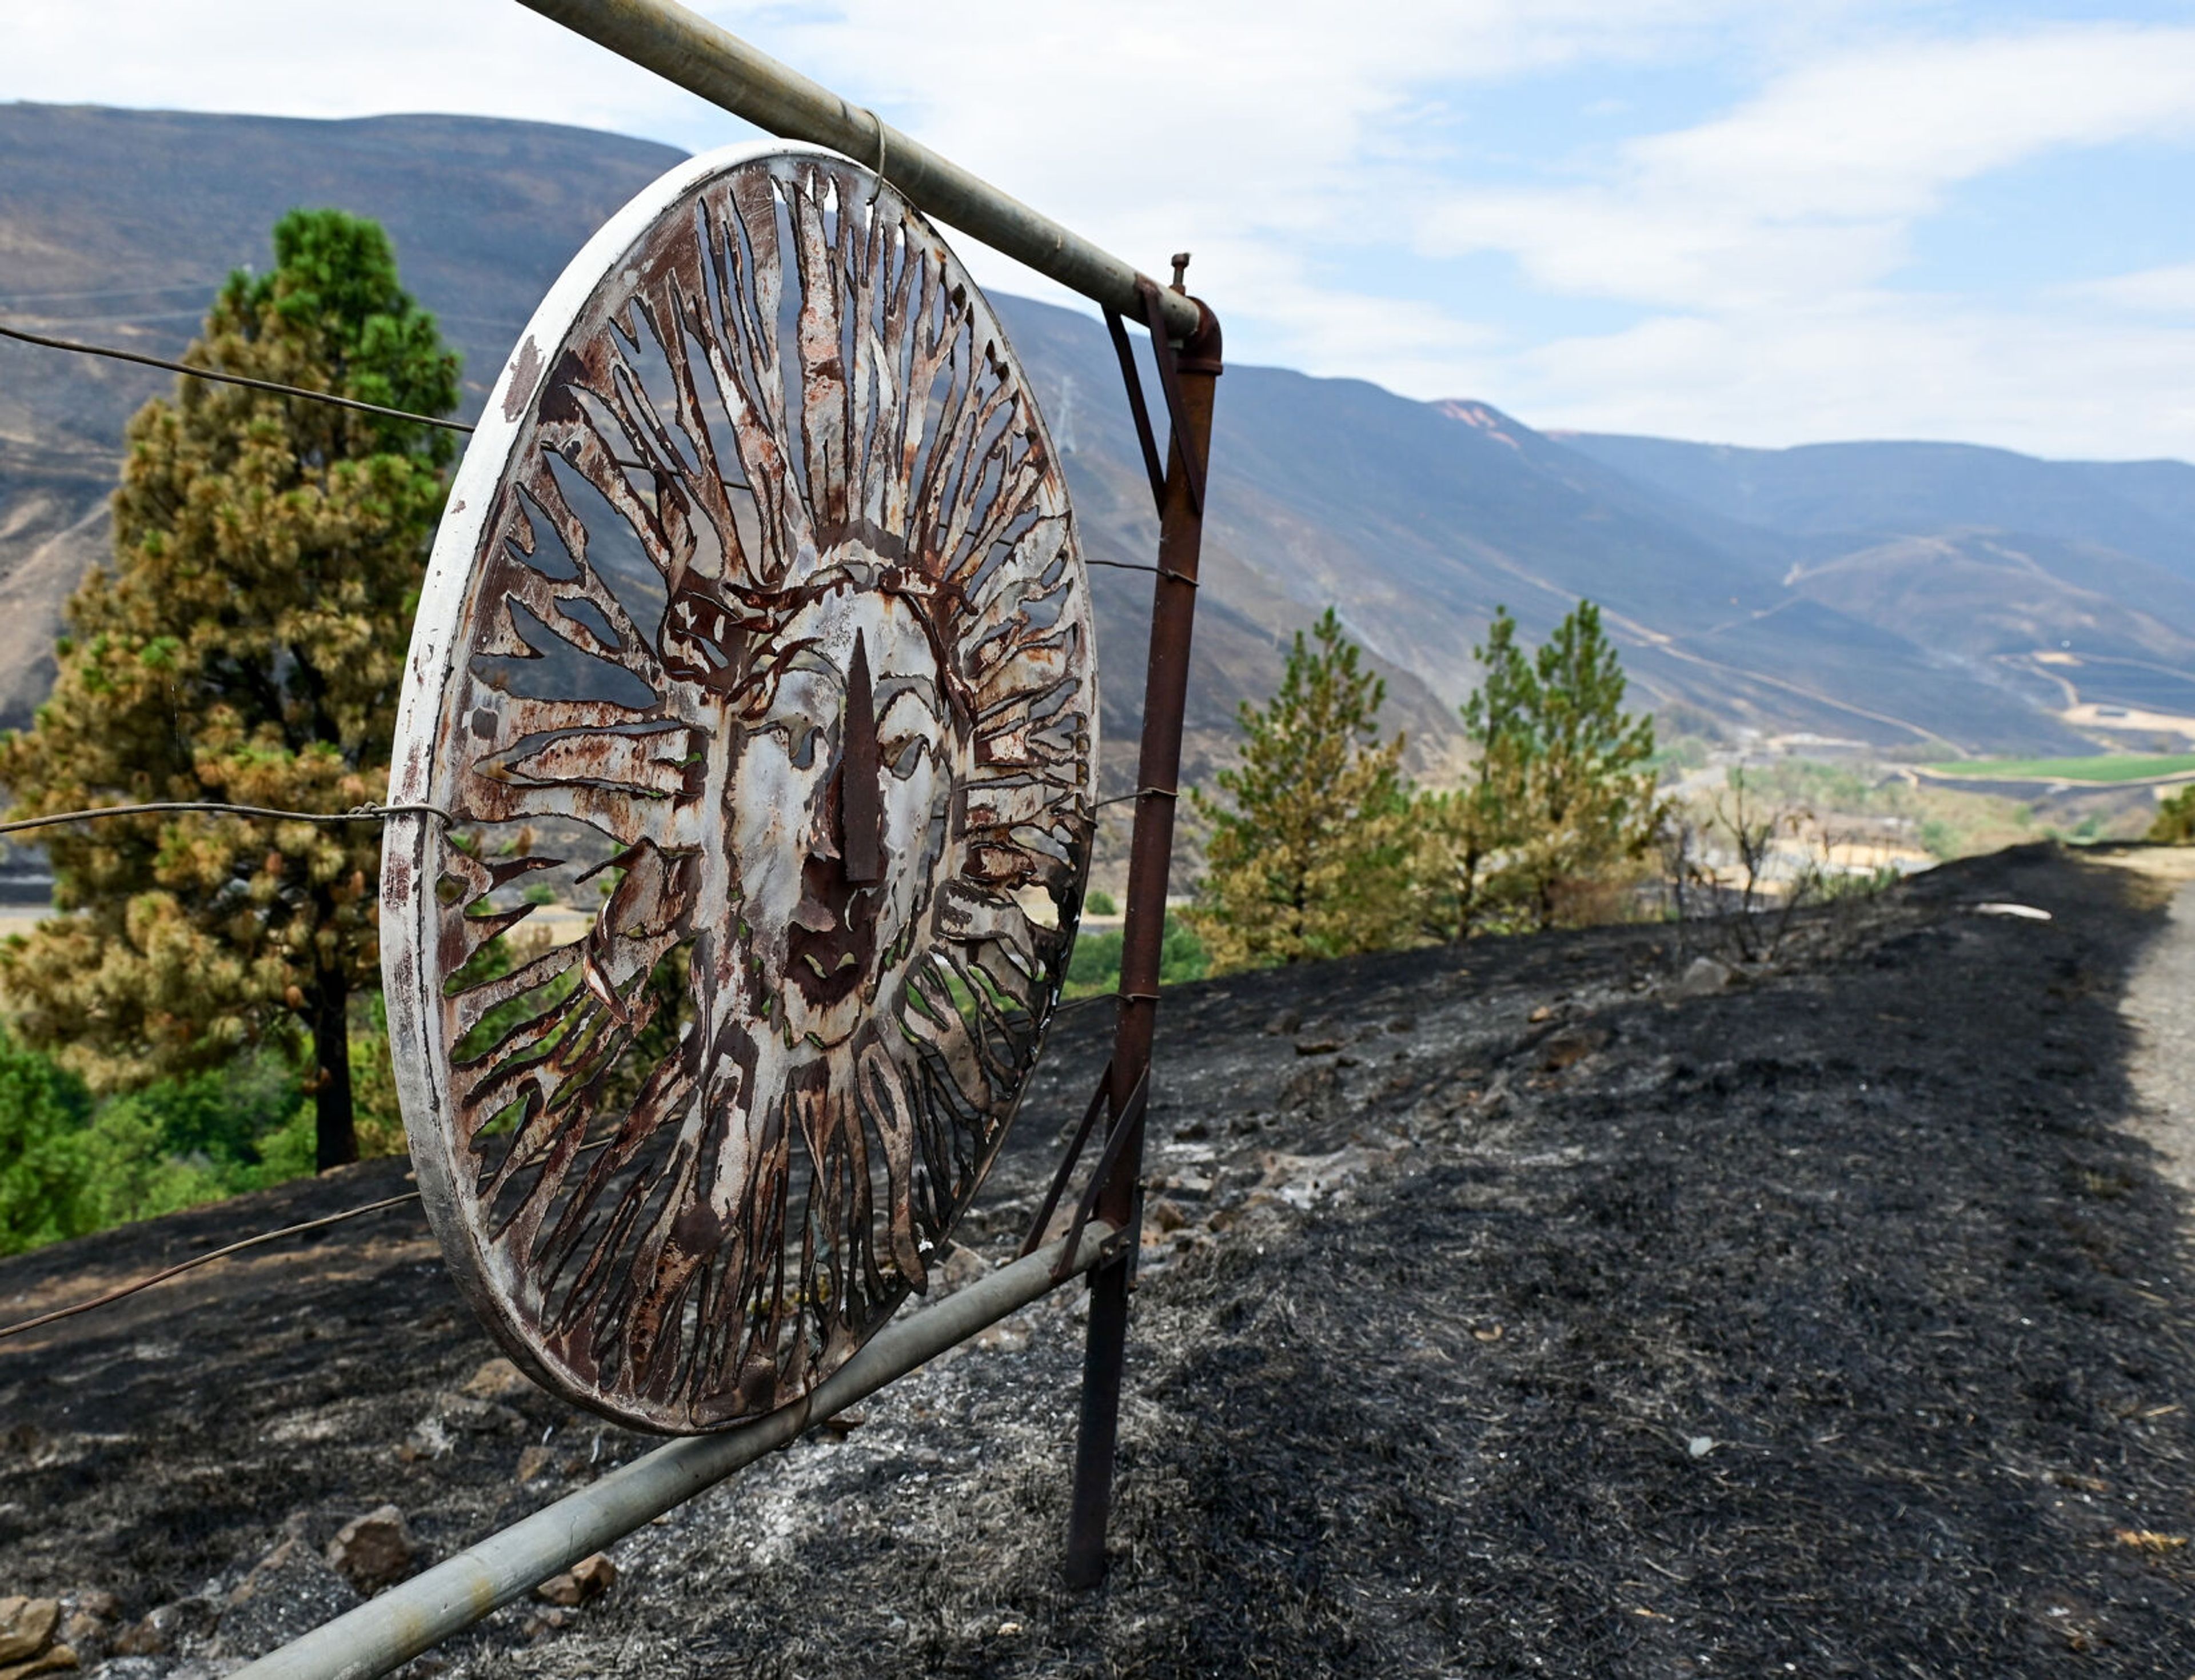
[[1142, 935]]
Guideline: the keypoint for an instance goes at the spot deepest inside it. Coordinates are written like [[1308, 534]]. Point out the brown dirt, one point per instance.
[[1834, 1322]]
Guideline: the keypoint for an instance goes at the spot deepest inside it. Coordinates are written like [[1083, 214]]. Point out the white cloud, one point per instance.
[[1250, 130], [2160, 292], [1814, 186], [488, 58], [1769, 236], [1883, 133], [1874, 366]]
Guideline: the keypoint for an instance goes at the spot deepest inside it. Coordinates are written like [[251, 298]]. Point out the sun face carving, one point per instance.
[[767, 593]]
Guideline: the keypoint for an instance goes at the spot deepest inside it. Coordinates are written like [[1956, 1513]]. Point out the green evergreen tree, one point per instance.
[[1308, 856], [1589, 803], [247, 645], [1560, 799], [2174, 822], [1466, 834]]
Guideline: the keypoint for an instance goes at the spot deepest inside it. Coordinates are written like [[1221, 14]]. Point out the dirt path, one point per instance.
[[2160, 1005]]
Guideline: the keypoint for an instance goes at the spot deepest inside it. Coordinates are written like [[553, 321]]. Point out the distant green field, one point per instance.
[[2104, 768]]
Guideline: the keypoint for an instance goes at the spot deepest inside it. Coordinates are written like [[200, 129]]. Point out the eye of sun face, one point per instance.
[[910, 723], [806, 700]]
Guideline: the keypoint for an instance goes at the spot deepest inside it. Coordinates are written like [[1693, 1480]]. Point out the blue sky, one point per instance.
[[1762, 224]]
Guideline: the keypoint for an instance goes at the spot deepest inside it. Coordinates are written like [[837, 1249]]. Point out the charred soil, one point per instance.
[[1518, 1309]]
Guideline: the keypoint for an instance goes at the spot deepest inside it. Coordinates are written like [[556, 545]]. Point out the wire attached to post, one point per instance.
[[123, 1292], [220, 378], [877, 123], [356, 813]]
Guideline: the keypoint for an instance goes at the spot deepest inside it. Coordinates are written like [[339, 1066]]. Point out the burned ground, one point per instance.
[[1514, 1312]]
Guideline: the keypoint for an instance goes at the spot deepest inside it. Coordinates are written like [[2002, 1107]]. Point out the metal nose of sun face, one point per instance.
[[860, 799]]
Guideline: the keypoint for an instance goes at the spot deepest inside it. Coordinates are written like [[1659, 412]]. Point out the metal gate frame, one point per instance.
[[1104, 1234]]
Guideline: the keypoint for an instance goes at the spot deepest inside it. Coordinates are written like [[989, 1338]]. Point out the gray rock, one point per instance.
[[159, 1631], [374, 1550], [1702, 979], [291, 1591], [961, 1267]]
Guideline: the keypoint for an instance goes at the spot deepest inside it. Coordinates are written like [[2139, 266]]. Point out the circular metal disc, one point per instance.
[[756, 629]]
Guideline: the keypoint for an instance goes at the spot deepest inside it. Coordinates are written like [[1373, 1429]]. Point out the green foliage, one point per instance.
[[130, 1173], [42, 1111], [1814, 785], [1099, 902], [1465, 834], [247, 645], [373, 1074], [1589, 802], [2175, 823], [1323, 849], [1686, 752], [69, 1164], [1939, 838], [2102, 766], [1309, 854], [1561, 798], [1095, 964]]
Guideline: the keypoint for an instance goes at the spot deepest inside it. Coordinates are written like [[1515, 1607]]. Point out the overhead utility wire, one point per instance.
[[356, 813], [219, 378], [131, 1288], [17, 333]]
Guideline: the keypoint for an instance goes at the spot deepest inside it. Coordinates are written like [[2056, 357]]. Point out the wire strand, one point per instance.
[[1143, 566], [123, 1292], [219, 378], [1140, 793], [356, 813]]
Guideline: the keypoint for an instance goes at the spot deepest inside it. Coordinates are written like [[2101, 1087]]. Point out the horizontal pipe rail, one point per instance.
[[408, 1618], [712, 62]]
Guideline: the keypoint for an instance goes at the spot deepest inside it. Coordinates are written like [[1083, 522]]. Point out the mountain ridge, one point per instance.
[[1416, 519]]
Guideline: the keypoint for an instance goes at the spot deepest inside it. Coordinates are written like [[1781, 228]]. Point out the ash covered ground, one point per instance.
[[1506, 1311]]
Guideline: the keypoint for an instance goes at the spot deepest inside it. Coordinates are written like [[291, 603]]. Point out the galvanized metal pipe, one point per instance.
[[410, 1617], [687, 49]]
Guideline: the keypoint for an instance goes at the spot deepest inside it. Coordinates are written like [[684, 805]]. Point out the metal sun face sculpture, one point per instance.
[[758, 611]]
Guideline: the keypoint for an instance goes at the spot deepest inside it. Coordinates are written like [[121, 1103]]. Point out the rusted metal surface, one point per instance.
[[807, 690], [1189, 379]]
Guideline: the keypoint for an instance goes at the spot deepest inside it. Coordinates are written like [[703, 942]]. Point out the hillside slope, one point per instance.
[[1506, 1311], [1417, 519], [2065, 581]]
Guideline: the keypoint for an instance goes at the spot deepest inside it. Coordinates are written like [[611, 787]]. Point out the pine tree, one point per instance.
[[1589, 803], [247, 646], [1308, 854], [2174, 822], [1559, 799], [1466, 834]]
